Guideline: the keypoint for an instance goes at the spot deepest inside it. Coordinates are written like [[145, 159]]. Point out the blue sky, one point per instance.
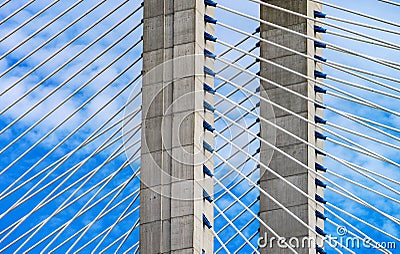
[[371, 7]]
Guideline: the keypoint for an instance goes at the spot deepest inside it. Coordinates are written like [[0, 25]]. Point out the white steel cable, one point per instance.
[[345, 68], [270, 197], [234, 138], [221, 242], [342, 128], [362, 121], [321, 21], [235, 234], [363, 186], [36, 15], [231, 157], [231, 187], [357, 13], [125, 237], [69, 78], [315, 80], [235, 218], [328, 63], [366, 88], [51, 38], [234, 185], [362, 135], [286, 110], [74, 192], [341, 161], [60, 184], [306, 98], [357, 218], [219, 86], [300, 163], [17, 11], [236, 44], [69, 97], [359, 170], [390, 2], [355, 229], [221, 195], [329, 45], [250, 211], [363, 203], [96, 134], [80, 164], [356, 99], [356, 236], [262, 191], [87, 209], [324, 84], [361, 100], [84, 211], [73, 169], [390, 63], [361, 24], [136, 224], [96, 218], [72, 185], [232, 93], [4, 3], [236, 60], [366, 204], [277, 105], [234, 227], [64, 207], [356, 169], [69, 43], [391, 128], [332, 64], [357, 150], [380, 44], [230, 205], [237, 119], [65, 158], [244, 244], [29, 37], [93, 136], [68, 117], [340, 243], [132, 247], [109, 229]]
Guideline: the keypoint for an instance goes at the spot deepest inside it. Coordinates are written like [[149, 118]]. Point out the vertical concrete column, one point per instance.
[[278, 219], [172, 204]]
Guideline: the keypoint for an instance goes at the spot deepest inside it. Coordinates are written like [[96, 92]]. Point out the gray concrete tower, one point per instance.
[[275, 217], [172, 207]]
